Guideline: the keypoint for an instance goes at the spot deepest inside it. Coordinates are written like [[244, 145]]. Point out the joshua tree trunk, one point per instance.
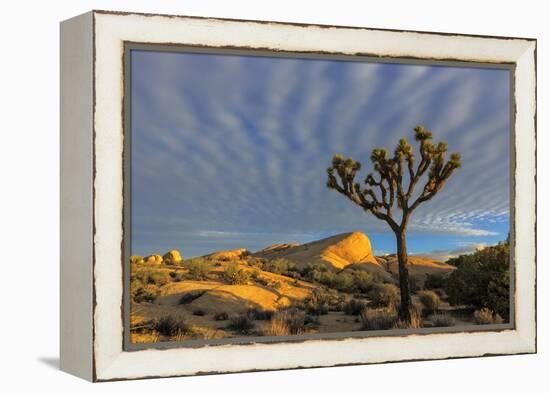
[[404, 310]]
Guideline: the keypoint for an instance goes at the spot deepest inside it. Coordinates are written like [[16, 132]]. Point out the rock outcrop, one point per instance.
[[172, 257], [153, 259], [337, 251], [229, 255]]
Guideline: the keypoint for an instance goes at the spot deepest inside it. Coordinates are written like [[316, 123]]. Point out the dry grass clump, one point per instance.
[[171, 325], [277, 326], [143, 292], [430, 300], [378, 319], [415, 323], [158, 277], [201, 333], [487, 317], [175, 328], [442, 320], [287, 322], [144, 337]]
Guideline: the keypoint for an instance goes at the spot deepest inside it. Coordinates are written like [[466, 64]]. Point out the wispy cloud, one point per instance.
[[239, 145]]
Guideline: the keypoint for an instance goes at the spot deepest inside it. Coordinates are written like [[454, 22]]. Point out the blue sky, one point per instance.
[[231, 151]]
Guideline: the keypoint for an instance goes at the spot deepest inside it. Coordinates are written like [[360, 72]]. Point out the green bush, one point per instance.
[[318, 303], [198, 268], [430, 300], [241, 324], [279, 266], [435, 281], [482, 280], [384, 295], [487, 317], [363, 281], [235, 275], [354, 307]]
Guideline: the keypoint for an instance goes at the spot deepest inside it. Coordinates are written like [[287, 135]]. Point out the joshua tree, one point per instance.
[[389, 186]]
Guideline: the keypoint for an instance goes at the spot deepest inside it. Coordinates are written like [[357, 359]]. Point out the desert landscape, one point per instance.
[[334, 284]]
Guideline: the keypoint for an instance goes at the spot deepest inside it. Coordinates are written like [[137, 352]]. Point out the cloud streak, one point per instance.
[[239, 144]]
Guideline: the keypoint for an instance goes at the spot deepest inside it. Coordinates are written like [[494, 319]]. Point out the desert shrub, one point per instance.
[[291, 321], [318, 303], [384, 295], [242, 324], [171, 325], [378, 319], [482, 279], [199, 313], [430, 300], [198, 268], [255, 275], [143, 293], [435, 281], [235, 275], [487, 317], [153, 276], [363, 281], [442, 320], [314, 272], [294, 274], [188, 297], [256, 262], [279, 266], [342, 282], [259, 314], [354, 307], [221, 316]]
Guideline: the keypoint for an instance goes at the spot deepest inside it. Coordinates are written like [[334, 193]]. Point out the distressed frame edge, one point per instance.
[[76, 196], [529, 339]]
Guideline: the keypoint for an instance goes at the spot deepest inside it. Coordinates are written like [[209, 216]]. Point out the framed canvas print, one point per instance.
[[245, 195]]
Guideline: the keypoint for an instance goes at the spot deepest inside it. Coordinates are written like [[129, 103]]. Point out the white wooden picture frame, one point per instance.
[[92, 194]]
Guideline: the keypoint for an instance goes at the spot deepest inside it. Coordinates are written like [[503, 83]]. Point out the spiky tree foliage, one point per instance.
[[393, 184]]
